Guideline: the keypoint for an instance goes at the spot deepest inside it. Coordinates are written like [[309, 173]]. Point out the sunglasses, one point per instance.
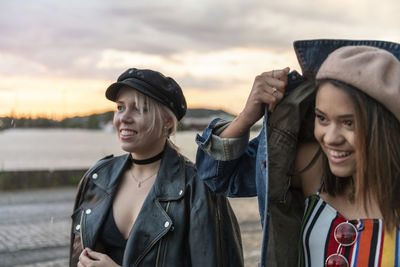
[[346, 235]]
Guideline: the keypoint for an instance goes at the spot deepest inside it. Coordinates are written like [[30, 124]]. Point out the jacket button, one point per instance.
[[181, 192], [78, 227], [95, 176], [88, 211], [166, 224], [264, 164]]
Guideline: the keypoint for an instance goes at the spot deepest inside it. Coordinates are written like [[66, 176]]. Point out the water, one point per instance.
[[43, 149]]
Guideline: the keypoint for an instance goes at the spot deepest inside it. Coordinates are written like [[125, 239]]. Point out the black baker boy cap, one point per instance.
[[152, 84]]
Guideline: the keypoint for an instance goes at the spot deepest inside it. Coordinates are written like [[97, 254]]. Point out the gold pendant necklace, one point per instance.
[[140, 182]]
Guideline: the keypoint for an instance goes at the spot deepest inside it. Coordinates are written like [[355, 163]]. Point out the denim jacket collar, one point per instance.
[[311, 53]]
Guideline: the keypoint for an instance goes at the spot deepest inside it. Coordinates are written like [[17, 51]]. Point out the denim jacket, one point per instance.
[[236, 167]]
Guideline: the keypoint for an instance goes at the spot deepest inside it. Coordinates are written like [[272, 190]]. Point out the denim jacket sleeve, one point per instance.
[[227, 164]]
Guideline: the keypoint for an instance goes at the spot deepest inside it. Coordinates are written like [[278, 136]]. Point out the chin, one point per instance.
[[127, 148], [342, 172]]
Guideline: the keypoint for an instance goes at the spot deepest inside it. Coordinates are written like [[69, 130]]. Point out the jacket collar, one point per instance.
[[311, 53], [109, 172], [170, 181]]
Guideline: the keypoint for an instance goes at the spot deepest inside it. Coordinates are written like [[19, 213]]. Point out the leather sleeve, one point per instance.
[[214, 234]]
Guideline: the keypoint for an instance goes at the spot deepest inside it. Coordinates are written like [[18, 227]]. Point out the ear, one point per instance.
[[168, 123]]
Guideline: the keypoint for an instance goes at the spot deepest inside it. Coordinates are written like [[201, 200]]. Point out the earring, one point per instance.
[[165, 131]]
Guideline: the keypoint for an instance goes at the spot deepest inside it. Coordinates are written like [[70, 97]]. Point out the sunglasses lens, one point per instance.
[[336, 260], [345, 234]]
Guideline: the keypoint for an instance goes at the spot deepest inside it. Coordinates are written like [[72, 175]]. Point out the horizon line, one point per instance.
[[13, 115]]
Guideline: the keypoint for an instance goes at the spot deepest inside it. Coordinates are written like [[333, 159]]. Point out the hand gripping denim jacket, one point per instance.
[[236, 167]]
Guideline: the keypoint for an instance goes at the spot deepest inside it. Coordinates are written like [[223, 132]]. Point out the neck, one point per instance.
[[149, 151], [145, 161], [145, 168], [368, 205]]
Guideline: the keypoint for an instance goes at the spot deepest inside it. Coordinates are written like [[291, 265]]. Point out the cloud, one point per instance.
[[205, 45], [69, 38], [213, 70]]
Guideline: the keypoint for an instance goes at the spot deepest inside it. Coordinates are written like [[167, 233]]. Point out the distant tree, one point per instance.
[[98, 121], [93, 122], [6, 123]]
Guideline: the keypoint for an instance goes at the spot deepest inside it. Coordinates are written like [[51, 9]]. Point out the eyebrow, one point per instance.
[[344, 116]]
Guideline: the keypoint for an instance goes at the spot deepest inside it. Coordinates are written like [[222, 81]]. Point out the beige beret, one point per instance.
[[374, 71]]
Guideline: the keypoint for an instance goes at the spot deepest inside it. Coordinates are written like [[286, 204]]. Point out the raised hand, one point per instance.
[[268, 89]]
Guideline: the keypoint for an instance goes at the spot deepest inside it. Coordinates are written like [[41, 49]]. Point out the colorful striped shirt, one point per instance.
[[373, 247]]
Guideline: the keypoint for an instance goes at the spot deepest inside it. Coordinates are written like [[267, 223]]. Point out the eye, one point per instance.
[[120, 108], [141, 110], [320, 118], [348, 123], [137, 110]]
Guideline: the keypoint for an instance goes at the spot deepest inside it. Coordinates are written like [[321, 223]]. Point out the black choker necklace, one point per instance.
[[147, 161]]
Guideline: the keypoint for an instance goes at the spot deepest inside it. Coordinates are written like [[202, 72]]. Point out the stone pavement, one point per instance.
[[35, 225]]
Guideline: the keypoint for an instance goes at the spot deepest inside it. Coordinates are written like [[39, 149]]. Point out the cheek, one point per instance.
[[115, 120], [141, 123], [351, 139], [318, 132]]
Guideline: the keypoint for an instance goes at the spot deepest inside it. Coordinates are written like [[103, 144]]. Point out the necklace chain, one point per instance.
[[140, 182]]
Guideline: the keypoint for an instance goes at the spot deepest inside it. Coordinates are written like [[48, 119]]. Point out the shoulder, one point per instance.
[[102, 161], [308, 168], [189, 166], [108, 161], [102, 168], [191, 177]]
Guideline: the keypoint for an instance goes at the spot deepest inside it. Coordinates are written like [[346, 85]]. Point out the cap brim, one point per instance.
[[113, 89]]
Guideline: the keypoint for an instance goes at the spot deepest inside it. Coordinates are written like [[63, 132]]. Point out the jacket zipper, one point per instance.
[[81, 229], [161, 241]]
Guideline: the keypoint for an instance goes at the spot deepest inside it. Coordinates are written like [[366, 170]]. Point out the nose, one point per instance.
[[333, 135], [125, 117]]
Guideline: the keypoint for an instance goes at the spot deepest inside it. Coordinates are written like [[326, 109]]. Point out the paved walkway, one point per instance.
[[35, 225]]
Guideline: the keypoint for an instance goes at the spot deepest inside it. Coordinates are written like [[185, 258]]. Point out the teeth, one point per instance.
[[338, 154], [127, 132]]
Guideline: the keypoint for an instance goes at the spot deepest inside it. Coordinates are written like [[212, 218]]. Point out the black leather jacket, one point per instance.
[[181, 223]]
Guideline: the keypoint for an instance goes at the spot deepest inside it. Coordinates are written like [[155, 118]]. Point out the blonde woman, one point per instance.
[[148, 208]]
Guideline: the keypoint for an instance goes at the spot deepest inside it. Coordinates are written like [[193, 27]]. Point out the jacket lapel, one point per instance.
[[153, 222], [99, 198]]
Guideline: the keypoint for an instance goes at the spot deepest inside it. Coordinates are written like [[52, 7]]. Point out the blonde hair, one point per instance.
[[158, 112]]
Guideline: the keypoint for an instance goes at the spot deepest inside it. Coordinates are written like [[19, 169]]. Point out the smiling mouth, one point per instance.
[[339, 154], [125, 132]]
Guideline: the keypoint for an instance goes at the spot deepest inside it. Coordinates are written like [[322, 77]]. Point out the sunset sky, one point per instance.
[[58, 57]]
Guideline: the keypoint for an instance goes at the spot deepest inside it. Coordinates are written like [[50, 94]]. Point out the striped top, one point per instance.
[[373, 247]]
